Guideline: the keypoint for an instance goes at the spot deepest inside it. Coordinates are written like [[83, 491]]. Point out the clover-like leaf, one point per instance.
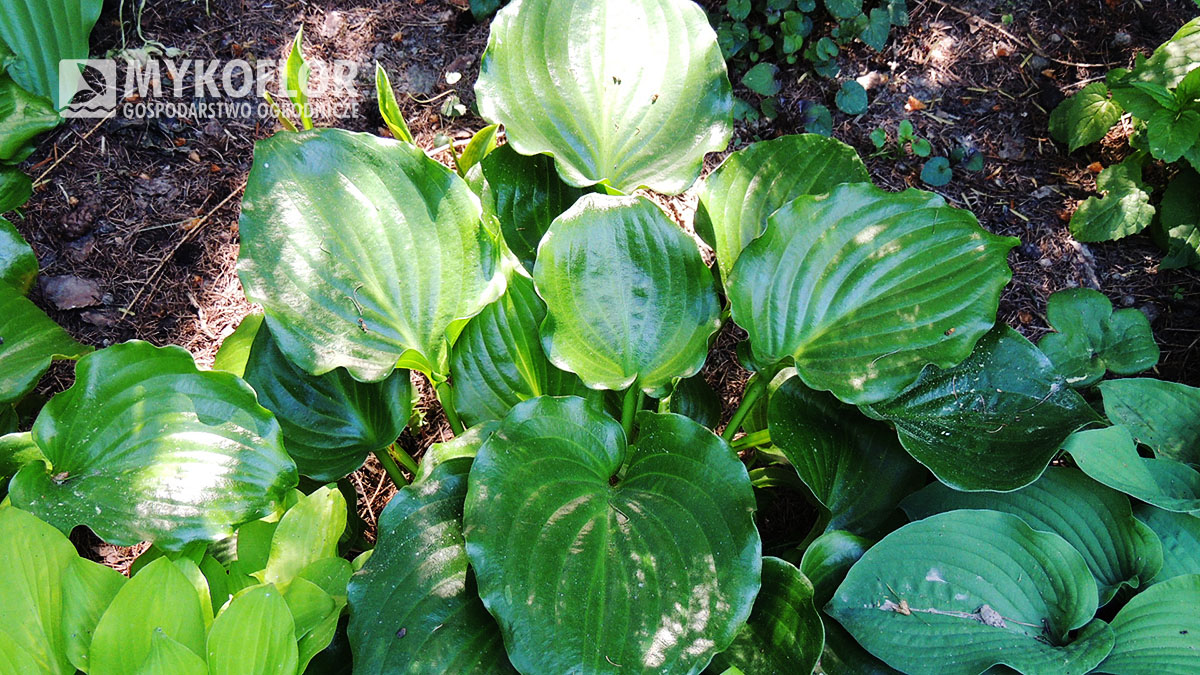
[[363, 251], [31, 340], [1085, 117], [1158, 631], [330, 422], [994, 421], [633, 92], [628, 297], [1098, 522], [1110, 457], [973, 589], [737, 198], [855, 467], [1180, 537], [599, 555], [862, 288], [1123, 210], [145, 446], [413, 606], [18, 264], [1163, 415], [1091, 338]]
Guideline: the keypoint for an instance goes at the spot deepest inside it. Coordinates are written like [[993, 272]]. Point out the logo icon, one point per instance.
[[96, 99]]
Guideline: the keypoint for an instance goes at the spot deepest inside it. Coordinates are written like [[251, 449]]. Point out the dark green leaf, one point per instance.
[[1171, 133], [1162, 415], [15, 188], [844, 9], [1173, 59], [1085, 117], [22, 117], [1091, 338], [18, 264], [937, 172], [762, 79], [851, 98], [1110, 456], [828, 558], [1180, 536], [1123, 210], [1181, 220], [31, 340], [693, 397], [1158, 632], [876, 33]]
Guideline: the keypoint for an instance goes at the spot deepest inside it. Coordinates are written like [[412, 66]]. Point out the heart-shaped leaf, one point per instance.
[[1098, 522], [1173, 59], [1110, 456], [1085, 117], [413, 606], [633, 92], [330, 422], [41, 33], [628, 296], [1091, 338], [737, 198], [253, 635], [18, 264], [784, 632], [1158, 631], [1162, 415], [1123, 210], [1180, 537], [363, 252], [994, 421], [600, 556], [145, 446], [973, 589], [31, 341], [855, 467], [498, 360], [862, 288]]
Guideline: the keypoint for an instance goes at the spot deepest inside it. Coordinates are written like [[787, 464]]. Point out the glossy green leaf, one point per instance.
[[1092, 339], [413, 606], [41, 33], [253, 635], [1097, 522], [1158, 632], [15, 189], [330, 422], [1181, 220], [862, 288], [157, 600], [631, 92], [18, 264], [480, 146], [854, 466], [31, 341], [1162, 415], [235, 349], [388, 109], [22, 117], [1110, 457], [146, 447], [363, 252], [1085, 117], [36, 558], [695, 398], [844, 9], [525, 195], [169, 657], [463, 445], [827, 560], [844, 656], [604, 557], [629, 299], [971, 589], [994, 421], [1173, 59], [498, 360], [296, 72], [784, 632], [737, 198], [1123, 210], [88, 589], [1180, 537], [308, 532]]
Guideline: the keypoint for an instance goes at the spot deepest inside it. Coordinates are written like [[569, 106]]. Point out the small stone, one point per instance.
[[1122, 39], [1045, 262], [71, 292], [1127, 301], [1038, 63], [1151, 311]]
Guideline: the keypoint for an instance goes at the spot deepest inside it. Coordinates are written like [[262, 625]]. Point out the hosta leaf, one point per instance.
[[308, 532], [31, 341], [145, 446], [994, 421], [88, 590], [413, 606], [1180, 536], [253, 635], [1110, 456], [828, 558], [15, 188], [40, 33], [18, 264], [235, 349], [525, 194], [1158, 632], [1173, 59], [784, 633], [330, 422], [1162, 415], [628, 296], [1181, 220], [36, 558], [463, 445], [170, 657], [1091, 338], [16, 450], [362, 251], [1123, 210], [634, 92], [498, 360], [1085, 117], [855, 467], [158, 600], [752, 183], [1098, 522], [604, 557], [694, 397], [961, 591], [22, 117], [844, 656], [862, 288]]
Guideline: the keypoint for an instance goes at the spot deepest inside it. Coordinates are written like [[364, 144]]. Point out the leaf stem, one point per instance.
[[633, 400], [445, 395], [389, 465], [760, 437], [401, 455], [749, 398]]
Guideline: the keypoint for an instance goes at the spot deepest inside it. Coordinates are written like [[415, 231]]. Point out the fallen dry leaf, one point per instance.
[[1095, 167], [914, 104]]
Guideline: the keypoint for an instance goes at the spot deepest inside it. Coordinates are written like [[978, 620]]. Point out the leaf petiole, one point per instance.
[[630, 406], [389, 465], [445, 395]]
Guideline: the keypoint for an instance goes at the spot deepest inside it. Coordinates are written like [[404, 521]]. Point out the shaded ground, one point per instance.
[[147, 209]]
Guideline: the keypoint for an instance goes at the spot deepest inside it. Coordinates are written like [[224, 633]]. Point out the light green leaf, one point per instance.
[[648, 94], [1162, 415], [41, 33], [737, 198], [994, 421], [1096, 521], [308, 532], [18, 264], [169, 657], [363, 252], [659, 575], [1180, 536], [463, 445], [235, 349], [862, 288], [388, 109], [36, 558], [146, 447], [88, 589], [1172, 133], [22, 117], [1110, 457], [1173, 59], [1092, 339], [973, 589], [610, 318], [16, 450], [1181, 219], [1158, 632], [1085, 117], [296, 72], [253, 635], [783, 633], [1123, 210], [413, 606], [31, 341], [480, 146]]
